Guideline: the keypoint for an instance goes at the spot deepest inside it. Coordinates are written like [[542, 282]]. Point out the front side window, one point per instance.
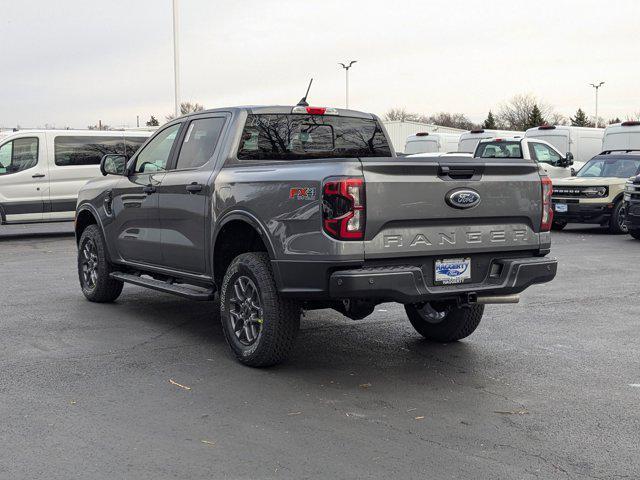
[[18, 155], [611, 167], [154, 157], [544, 154], [499, 149], [71, 151], [302, 137], [199, 142]]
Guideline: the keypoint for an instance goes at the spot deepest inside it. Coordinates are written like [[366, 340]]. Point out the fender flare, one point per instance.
[[94, 212], [248, 218]]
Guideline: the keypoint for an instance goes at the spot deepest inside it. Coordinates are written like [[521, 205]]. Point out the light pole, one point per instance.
[[596, 86], [346, 69], [176, 60]]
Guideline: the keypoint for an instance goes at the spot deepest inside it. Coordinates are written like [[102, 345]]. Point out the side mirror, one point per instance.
[[573, 172], [113, 164], [568, 160]]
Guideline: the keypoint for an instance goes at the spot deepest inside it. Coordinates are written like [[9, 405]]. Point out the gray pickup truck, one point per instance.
[[284, 209]]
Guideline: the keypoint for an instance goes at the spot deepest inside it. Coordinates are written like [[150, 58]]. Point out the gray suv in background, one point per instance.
[[280, 209]]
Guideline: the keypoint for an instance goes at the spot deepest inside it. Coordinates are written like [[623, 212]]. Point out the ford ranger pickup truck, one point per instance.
[[283, 209], [595, 194]]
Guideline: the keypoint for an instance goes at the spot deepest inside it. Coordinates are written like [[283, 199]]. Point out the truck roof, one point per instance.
[[277, 109]]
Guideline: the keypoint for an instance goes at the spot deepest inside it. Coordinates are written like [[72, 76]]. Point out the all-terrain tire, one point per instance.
[[616, 224], [458, 323], [280, 320], [100, 288]]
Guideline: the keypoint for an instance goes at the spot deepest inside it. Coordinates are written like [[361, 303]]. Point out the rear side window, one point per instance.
[[499, 150], [80, 150], [299, 137], [200, 142], [18, 155]]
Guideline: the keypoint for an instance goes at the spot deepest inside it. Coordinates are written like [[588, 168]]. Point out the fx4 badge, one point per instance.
[[302, 193], [462, 198]]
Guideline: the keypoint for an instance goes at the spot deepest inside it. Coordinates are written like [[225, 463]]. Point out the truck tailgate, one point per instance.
[[408, 213]]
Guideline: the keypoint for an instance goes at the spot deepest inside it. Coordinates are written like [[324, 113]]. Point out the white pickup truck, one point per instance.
[[546, 155]]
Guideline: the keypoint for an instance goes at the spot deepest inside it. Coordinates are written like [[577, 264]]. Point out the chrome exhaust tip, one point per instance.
[[489, 299]]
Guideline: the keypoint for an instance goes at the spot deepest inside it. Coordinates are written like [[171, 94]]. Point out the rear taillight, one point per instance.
[[343, 208], [547, 211]]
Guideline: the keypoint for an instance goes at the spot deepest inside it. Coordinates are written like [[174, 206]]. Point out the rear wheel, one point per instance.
[[94, 269], [558, 225], [259, 325], [616, 225], [444, 323]]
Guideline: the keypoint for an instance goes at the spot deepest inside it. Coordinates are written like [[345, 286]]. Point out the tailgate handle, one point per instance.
[[457, 173]]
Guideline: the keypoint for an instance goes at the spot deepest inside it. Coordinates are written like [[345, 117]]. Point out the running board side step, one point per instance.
[[191, 292]]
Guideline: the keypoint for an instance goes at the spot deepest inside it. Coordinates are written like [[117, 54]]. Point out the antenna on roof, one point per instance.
[[303, 100]]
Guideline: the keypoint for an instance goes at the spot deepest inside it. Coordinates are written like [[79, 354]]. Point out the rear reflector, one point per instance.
[[315, 110], [547, 211]]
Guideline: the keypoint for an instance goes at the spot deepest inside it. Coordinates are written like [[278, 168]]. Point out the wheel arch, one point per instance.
[[254, 237]]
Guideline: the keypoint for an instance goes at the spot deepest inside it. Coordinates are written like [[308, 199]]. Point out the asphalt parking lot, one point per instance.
[[146, 387]]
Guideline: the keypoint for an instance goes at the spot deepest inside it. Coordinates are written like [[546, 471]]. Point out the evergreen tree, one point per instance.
[[153, 122], [490, 122], [615, 120], [535, 118], [581, 119]]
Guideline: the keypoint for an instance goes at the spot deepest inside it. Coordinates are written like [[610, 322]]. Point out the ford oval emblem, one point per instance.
[[463, 198]]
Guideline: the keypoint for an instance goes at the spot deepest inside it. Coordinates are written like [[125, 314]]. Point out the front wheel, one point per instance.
[[94, 269], [444, 323], [635, 234], [616, 224], [259, 325], [558, 225]]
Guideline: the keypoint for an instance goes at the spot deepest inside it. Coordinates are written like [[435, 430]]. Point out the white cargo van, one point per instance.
[[469, 140], [622, 136], [431, 142], [583, 142], [41, 171]]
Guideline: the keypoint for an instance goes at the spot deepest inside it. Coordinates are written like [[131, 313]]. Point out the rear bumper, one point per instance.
[[599, 213], [407, 284]]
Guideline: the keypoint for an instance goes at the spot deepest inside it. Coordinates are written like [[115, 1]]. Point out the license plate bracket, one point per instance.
[[451, 271]]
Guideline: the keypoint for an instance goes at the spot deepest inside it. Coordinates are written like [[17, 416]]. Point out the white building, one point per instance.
[[399, 131]]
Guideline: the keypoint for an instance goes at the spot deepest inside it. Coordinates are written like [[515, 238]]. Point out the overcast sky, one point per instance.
[[72, 63]]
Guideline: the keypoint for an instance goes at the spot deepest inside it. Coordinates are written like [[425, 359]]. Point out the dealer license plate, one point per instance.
[[562, 207], [452, 270]]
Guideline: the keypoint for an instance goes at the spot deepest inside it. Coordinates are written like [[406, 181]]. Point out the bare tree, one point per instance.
[[556, 118], [401, 115], [453, 120], [515, 114], [185, 108]]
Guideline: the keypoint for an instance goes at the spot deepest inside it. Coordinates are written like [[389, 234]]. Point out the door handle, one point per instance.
[[37, 175], [149, 189], [194, 187]]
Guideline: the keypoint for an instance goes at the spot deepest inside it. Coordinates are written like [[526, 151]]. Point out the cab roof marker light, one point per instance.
[[547, 127], [422, 134], [314, 110], [630, 123]]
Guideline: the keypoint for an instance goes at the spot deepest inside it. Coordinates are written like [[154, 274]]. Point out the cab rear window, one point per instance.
[[299, 137], [499, 150]]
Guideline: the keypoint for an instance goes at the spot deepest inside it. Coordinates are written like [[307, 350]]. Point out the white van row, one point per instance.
[[582, 142], [41, 171]]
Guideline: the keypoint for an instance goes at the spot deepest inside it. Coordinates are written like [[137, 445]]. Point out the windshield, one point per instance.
[[499, 150], [611, 167]]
